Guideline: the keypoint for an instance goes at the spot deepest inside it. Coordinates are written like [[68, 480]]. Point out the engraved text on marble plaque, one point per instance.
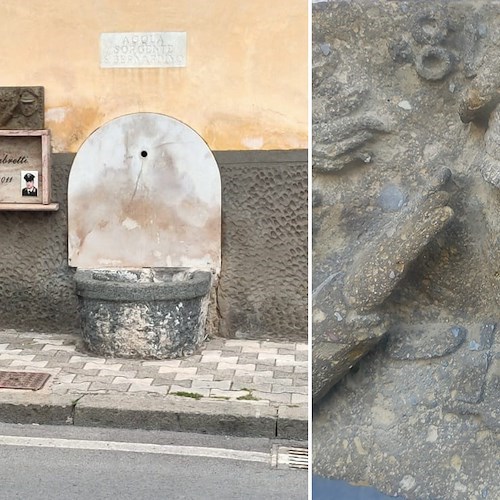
[[143, 50]]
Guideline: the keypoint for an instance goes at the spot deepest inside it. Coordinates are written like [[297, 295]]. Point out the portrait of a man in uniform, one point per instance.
[[30, 189]]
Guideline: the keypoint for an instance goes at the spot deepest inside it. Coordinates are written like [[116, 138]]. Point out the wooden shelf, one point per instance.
[[32, 207]]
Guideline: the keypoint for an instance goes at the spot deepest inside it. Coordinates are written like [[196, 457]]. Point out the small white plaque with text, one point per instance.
[[143, 50]]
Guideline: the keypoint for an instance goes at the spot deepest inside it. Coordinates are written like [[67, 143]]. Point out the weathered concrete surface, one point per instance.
[[263, 283], [292, 422], [28, 407], [420, 428], [181, 414], [341, 335], [406, 228]]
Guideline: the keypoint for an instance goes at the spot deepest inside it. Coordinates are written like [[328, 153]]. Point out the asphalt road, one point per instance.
[[50, 462]]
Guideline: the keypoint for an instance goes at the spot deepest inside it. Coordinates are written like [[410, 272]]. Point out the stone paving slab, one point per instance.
[[238, 387]]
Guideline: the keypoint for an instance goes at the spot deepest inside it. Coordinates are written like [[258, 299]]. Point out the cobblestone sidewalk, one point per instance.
[[256, 372]]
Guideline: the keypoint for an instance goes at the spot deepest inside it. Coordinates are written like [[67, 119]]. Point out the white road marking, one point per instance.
[[80, 444]]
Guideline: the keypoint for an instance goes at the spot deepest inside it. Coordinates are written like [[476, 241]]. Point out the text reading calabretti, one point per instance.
[[7, 159]]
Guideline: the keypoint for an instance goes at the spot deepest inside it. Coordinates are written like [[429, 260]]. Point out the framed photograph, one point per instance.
[[29, 183], [25, 170]]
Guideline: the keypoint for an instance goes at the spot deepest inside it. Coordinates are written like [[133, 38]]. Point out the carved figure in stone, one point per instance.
[[429, 30], [489, 159], [481, 103], [21, 108], [406, 257], [347, 318], [352, 128], [347, 305], [352, 134]]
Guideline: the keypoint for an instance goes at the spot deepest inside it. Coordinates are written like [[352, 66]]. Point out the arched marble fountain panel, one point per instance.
[[144, 191]]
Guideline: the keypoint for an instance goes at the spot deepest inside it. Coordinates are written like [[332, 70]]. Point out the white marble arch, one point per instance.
[[144, 191]]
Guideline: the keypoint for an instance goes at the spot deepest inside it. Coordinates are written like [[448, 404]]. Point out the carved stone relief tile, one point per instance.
[[21, 108]]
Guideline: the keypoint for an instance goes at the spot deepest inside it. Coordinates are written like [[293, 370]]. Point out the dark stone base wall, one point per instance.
[[263, 285], [37, 290]]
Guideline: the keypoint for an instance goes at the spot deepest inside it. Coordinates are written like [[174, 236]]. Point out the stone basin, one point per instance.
[[143, 313]]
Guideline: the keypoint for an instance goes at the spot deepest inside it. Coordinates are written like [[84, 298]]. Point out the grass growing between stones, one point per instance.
[[182, 394], [247, 397]]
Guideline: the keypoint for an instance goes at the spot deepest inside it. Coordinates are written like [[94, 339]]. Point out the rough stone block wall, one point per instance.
[[263, 284]]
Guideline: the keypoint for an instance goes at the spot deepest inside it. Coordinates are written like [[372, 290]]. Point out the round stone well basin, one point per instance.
[[143, 313]]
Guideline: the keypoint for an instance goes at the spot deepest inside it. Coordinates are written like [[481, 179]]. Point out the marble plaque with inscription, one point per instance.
[[143, 50], [21, 108], [24, 167]]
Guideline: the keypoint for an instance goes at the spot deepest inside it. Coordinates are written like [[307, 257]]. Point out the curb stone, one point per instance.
[[171, 413], [33, 408], [292, 423]]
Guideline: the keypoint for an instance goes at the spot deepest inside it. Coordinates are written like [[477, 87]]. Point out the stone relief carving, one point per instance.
[[21, 108], [481, 103], [431, 47], [343, 113], [340, 112], [348, 324], [406, 245]]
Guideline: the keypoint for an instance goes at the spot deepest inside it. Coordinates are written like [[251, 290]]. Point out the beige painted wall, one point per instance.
[[244, 87]]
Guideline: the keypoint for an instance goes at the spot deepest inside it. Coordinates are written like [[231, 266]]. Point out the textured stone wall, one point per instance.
[[37, 290], [406, 227], [263, 284], [263, 289]]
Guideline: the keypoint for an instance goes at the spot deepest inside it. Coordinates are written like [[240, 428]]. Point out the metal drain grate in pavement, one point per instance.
[[23, 380], [291, 458]]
